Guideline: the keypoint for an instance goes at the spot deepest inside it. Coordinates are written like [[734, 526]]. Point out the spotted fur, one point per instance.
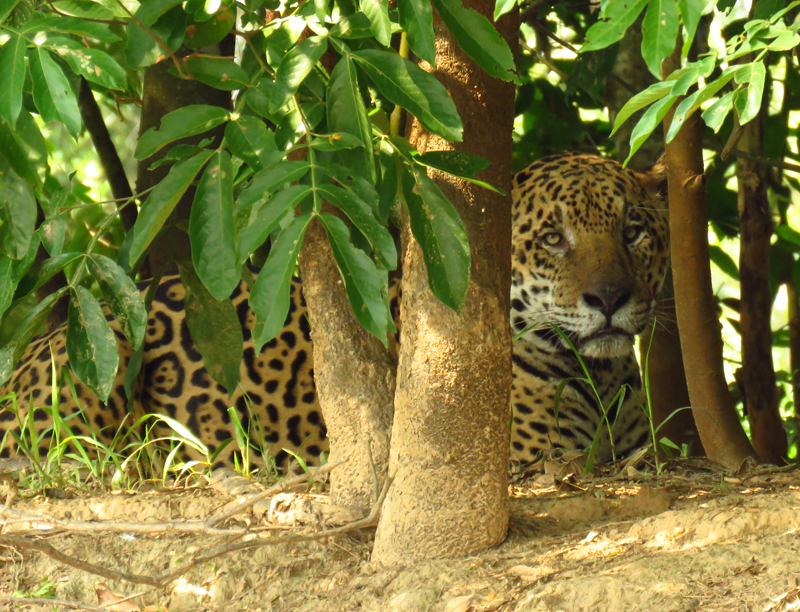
[[589, 254]]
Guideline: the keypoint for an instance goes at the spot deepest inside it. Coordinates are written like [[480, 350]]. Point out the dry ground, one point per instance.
[[691, 539]]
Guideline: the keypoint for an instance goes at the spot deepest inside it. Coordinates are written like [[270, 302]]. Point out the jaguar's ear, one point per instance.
[[655, 179]]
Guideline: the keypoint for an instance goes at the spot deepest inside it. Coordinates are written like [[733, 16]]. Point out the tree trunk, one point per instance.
[[757, 376], [354, 376], [720, 431], [450, 437], [667, 378]]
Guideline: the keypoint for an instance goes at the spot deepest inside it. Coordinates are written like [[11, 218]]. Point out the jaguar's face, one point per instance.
[[589, 253]]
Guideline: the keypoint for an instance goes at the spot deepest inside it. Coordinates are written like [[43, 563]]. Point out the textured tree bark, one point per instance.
[[450, 440], [720, 431], [354, 376], [757, 375], [667, 382]]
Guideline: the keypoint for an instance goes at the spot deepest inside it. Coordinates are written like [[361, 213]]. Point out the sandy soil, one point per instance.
[[691, 539]]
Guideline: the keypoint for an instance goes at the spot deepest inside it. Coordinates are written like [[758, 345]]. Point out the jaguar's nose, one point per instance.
[[608, 299]]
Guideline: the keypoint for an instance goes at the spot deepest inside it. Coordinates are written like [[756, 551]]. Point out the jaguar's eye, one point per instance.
[[552, 239], [631, 233]]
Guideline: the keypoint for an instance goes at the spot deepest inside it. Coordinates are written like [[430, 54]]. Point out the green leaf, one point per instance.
[[91, 344], [321, 9], [12, 76], [410, 87], [362, 279], [378, 13], [216, 331], [501, 7], [440, 232], [265, 219], [479, 39], [295, 67], [659, 32], [6, 6], [691, 11], [714, 115], [17, 212], [268, 180], [71, 25], [350, 181], [269, 297], [693, 102], [32, 323], [458, 163], [88, 9], [218, 72], [161, 202], [348, 113], [51, 91], [755, 91], [211, 228], [788, 234], [186, 121], [141, 50], [40, 274], [362, 217], [621, 15], [15, 155], [338, 141], [97, 66], [654, 93], [650, 120], [352, 26], [122, 297], [723, 261], [416, 18], [30, 138], [8, 283], [249, 139]]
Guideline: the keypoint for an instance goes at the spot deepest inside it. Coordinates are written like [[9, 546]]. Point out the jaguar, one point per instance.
[[589, 254]]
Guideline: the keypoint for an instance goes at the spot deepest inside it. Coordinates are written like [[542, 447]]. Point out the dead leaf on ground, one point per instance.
[[459, 604], [108, 598]]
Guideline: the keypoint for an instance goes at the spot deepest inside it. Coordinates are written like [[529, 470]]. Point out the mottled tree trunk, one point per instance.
[[354, 376], [720, 431], [757, 375], [450, 438]]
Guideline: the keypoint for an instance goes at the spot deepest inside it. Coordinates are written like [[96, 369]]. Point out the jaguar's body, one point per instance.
[[589, 254]]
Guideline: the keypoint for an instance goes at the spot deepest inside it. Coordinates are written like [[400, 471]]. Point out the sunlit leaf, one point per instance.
[[295, 67], [619, 17], [410, 87], [12, 76], [659, 32], [17, 212], [97, 66], [378, 13]]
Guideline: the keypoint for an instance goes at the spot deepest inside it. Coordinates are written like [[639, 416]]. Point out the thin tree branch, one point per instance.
[[544, 30], [57, 555], [776, 163], [107, 152]]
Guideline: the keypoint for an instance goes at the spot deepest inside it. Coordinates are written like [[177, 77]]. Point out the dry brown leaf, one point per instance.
[[107, 597], [459, 604]]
